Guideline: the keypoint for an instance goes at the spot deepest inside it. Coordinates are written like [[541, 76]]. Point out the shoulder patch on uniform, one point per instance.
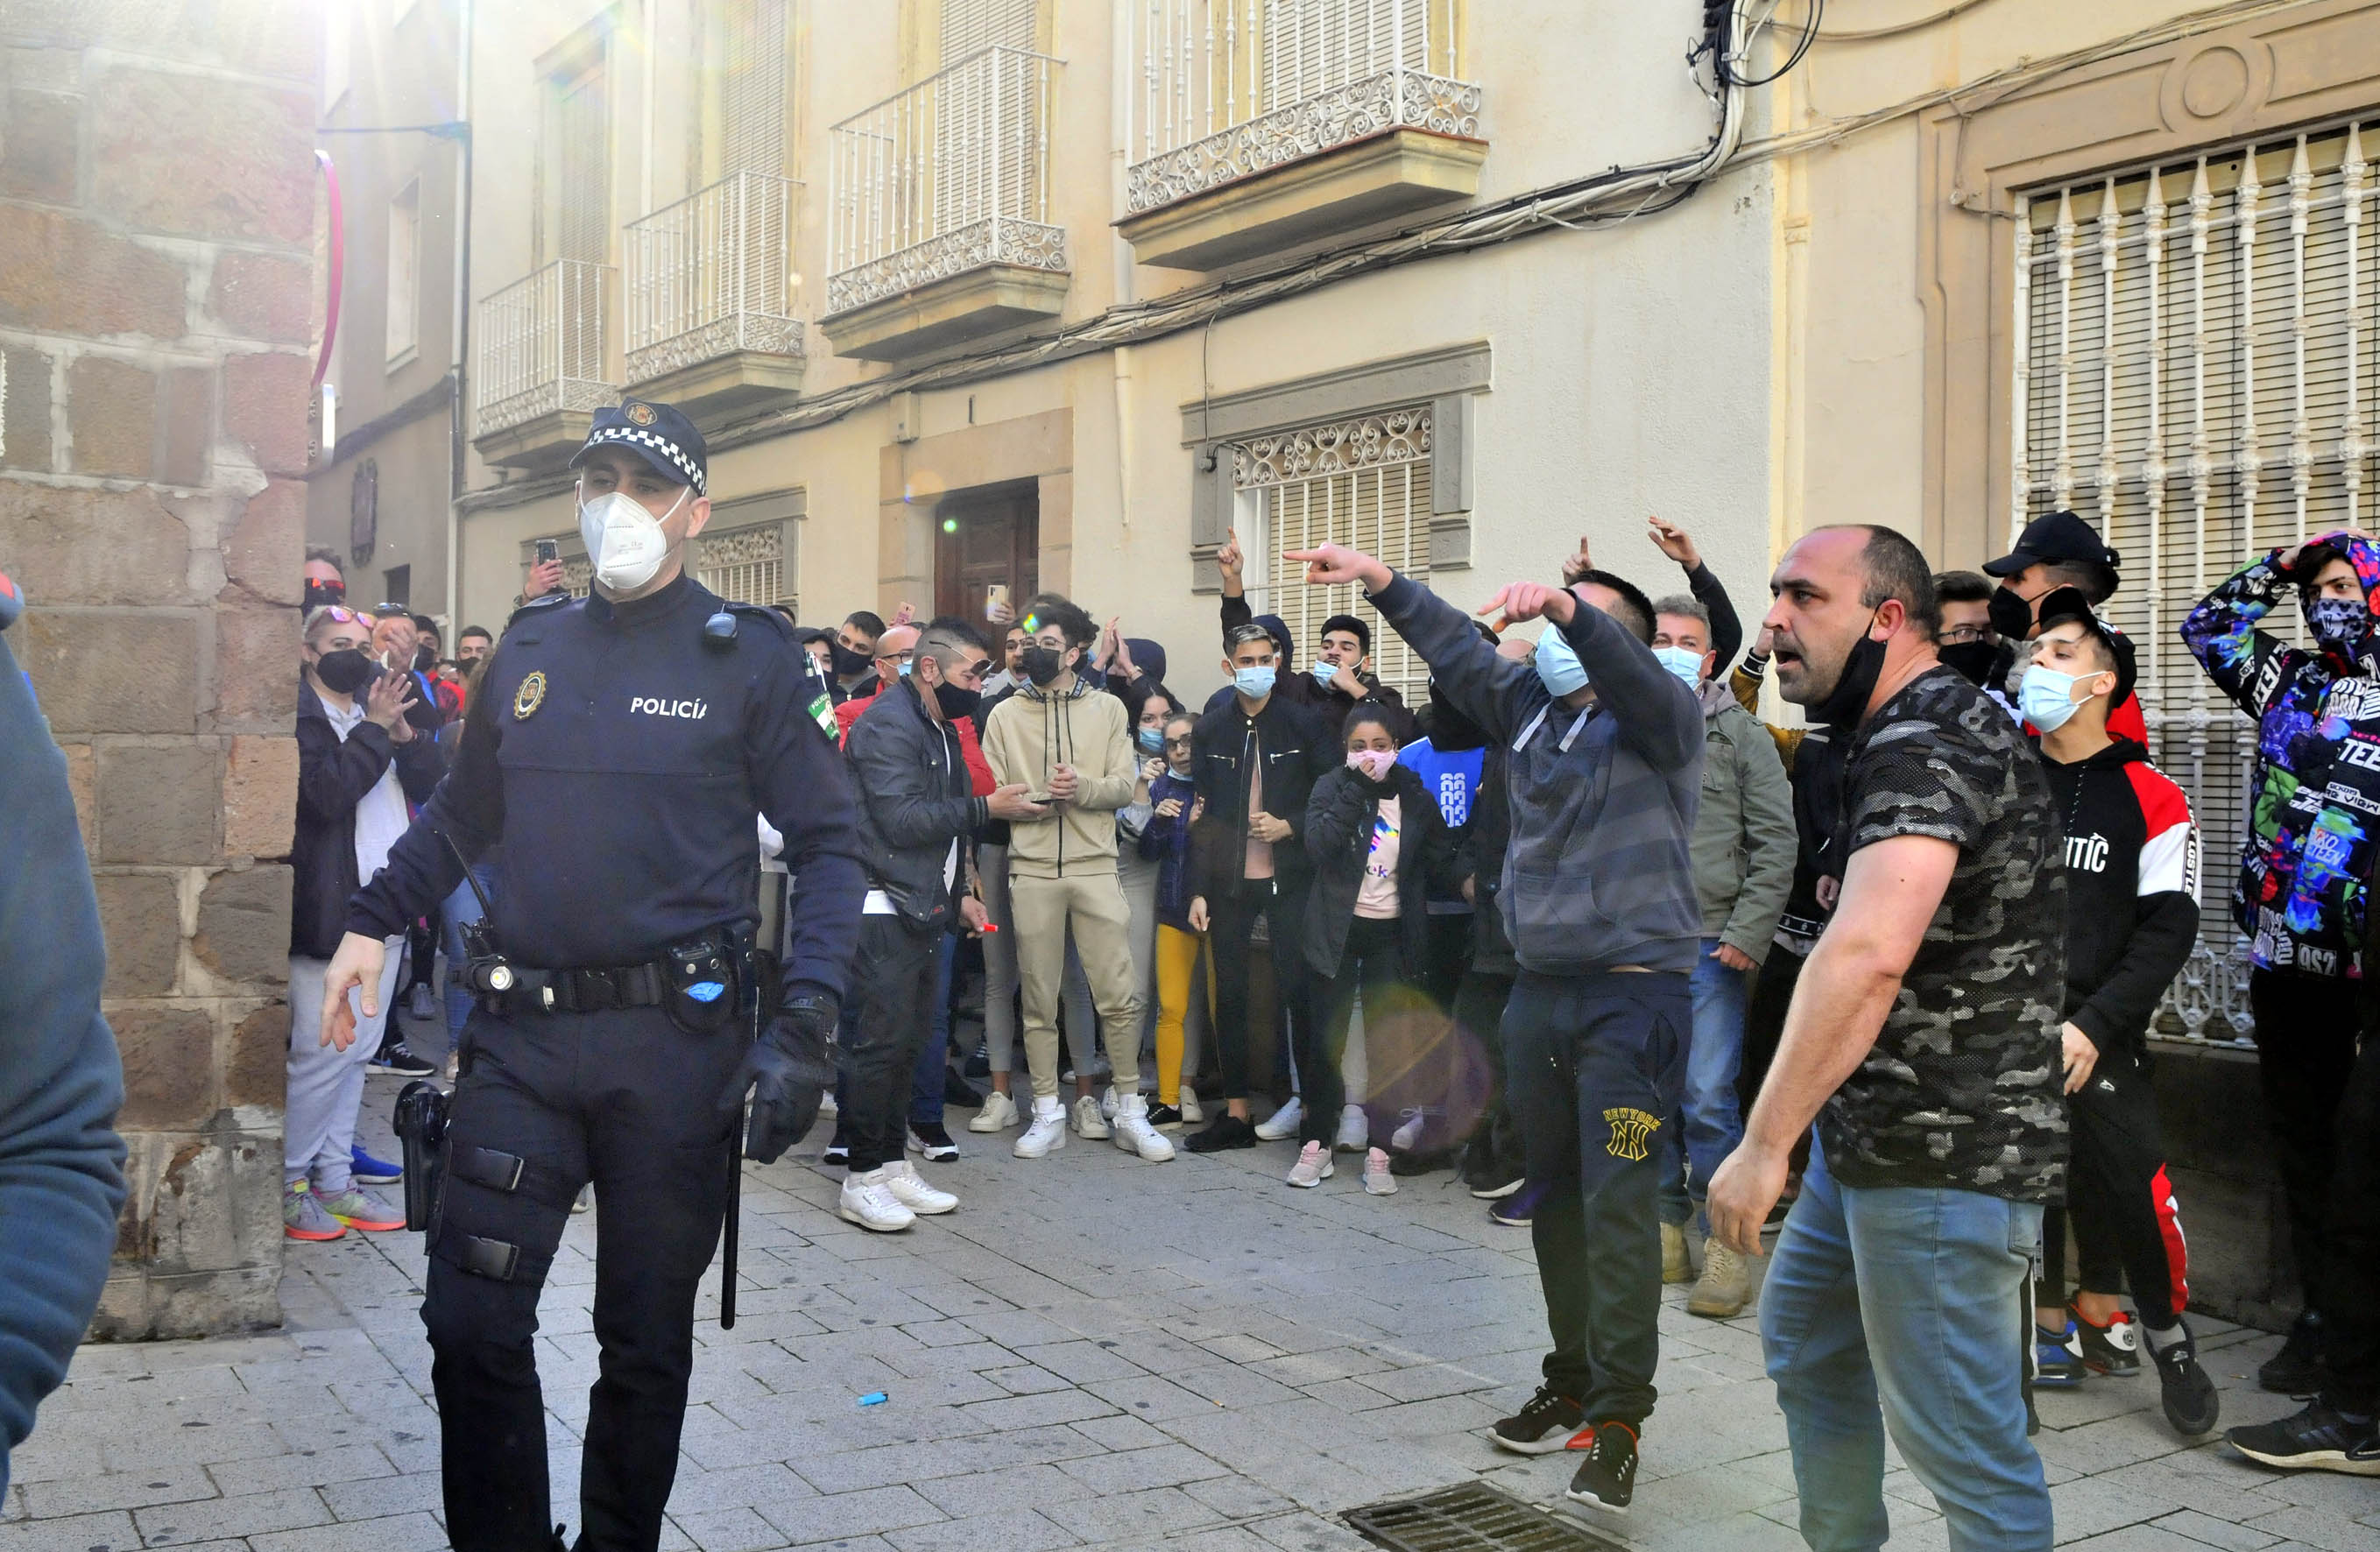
[[541, 604], [759, 612]]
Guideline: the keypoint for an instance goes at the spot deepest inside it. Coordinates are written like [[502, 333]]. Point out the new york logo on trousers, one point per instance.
[[1632, 1131]]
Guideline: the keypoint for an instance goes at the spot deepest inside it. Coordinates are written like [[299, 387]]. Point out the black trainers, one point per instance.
[[393, 1057], [2113, 1348], [1606, 1478], [1228, 1132], [932, 1140], [1541, 1427], [2190, 1403], [1164, 1117], [2057, 1358], [1512, 1212], [2296, 1369], [2319, 1438]]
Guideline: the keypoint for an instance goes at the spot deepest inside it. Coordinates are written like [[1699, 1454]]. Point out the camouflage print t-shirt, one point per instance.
[[1963, 1087]]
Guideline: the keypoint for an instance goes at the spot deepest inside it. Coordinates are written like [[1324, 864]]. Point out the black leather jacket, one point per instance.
[[1296, 752], [914, 800], [332, 777]]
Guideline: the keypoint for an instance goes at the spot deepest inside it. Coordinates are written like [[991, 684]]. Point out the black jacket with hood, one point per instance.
[[1339, 821], [2131, 881], [333, 774]]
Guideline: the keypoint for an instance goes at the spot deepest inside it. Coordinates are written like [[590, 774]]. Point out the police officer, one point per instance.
[[619, 748]]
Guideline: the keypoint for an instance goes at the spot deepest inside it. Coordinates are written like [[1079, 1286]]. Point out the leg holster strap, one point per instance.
[[497, 1260], [512, 1175]]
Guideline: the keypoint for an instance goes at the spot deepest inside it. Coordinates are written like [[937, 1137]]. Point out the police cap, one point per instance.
[[659, 433]]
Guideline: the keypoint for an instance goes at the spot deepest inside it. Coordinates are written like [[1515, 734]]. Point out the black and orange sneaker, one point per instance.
[[1606, 1478], [2112, 1349], [1540, 1427]]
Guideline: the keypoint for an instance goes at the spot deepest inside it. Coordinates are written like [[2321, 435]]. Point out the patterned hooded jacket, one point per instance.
[[2314, 795]]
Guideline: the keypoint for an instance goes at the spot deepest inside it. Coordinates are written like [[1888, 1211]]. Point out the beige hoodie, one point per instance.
[[1030, 734]]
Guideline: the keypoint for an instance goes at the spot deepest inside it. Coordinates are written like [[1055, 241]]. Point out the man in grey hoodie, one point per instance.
[[1603, 770]]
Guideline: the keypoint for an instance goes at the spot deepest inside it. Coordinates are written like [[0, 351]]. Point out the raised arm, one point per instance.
[[1481, 686], [2246, 663], [1727, 631]]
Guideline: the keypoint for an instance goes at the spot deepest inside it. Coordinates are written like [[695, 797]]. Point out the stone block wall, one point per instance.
[[157, 222]]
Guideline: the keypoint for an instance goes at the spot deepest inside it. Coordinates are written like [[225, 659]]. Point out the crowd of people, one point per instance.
[[1893, 969]]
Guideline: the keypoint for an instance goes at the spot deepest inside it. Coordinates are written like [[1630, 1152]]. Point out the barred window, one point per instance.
[[2194, 353], [1363, 482]]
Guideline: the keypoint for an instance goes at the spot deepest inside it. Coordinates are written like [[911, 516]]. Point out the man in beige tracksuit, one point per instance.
[[1064, 738]]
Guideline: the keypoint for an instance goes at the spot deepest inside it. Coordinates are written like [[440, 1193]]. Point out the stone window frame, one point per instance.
[[1447, 379], [2309, 66]]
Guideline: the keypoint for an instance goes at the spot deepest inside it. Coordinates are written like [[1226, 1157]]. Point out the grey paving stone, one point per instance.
[[1012, 1530], [112, 1532], [869, 1512], [2215, 1533], [133, 1489], [218, 1519], [399, 1532]]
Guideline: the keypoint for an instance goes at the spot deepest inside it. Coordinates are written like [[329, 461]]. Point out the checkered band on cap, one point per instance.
[[669, 450]]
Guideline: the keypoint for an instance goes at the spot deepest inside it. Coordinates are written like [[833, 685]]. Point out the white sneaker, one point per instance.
[[1133, 1135], [1354, 1130], [1408, 1133], [1089, 1126], [1378, 1181], [1313, 1166], [1282, 1122], [1191, 1113], [1108, 1103], [827, 1105], [1047, 1133], [911, 1191], [999, 1113], [868, 1202]]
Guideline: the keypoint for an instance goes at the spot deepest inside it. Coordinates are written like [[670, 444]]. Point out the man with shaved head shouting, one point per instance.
[[1924, 1040]]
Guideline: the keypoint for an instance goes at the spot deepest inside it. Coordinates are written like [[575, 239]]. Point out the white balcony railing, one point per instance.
[[948, 176], [712, 274], [1230, 88], [541, 344]]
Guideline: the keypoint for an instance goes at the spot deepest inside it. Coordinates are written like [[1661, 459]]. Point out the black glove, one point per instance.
[[790, 1069]]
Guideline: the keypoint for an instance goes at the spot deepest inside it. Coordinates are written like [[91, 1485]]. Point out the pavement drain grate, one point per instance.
[[1473, 1518]]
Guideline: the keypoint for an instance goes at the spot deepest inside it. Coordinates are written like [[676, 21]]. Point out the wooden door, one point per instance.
[[982, 537]]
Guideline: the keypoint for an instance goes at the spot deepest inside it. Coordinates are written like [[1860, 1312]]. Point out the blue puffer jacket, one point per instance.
[[1167, 841], [61, 1162], [2314, 795]]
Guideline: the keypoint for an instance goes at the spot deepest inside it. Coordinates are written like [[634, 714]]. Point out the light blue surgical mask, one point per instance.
[[1151, 740], [1685, 664], [1557, 664], [1254, 682], [2046, 696], [905, 670], [1323, 670]]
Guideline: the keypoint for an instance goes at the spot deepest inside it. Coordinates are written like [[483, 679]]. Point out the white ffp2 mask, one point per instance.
[[624, 541]]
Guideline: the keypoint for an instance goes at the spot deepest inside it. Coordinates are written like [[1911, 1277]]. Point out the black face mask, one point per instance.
[[1846, 702], [2011, 615], [848, 664], [346, 671], [1043, 665], [424, 659], [1971, 661], [319, 594], [954, 702], [1450, 730]]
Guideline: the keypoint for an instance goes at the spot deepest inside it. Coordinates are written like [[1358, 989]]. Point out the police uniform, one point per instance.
[[620, 753]]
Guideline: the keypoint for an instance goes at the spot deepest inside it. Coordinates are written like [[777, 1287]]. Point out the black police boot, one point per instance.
[[2296, 1370]]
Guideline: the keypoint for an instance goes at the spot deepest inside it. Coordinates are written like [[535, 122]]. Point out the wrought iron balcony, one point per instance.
[[711, 295], [543, 342], [939, 224], [1262, 124]]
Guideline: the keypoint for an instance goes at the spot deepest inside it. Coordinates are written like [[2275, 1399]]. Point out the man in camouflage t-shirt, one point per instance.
[[1923, 1038]]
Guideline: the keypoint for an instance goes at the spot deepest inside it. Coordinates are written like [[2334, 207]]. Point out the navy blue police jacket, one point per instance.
[[620, 759]]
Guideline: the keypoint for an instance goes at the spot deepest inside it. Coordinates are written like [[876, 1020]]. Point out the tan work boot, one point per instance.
[[1726, 1285], [1676, 1266]]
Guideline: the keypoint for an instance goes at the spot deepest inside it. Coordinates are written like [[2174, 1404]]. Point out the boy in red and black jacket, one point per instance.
[[2131, 917]]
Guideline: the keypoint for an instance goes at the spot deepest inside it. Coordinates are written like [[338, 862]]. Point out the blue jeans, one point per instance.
[[1713, 1122], [461, 910], [927, 1084], [1906, 1298]]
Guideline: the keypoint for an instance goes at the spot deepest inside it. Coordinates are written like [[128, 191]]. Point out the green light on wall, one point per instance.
[[950, 525]]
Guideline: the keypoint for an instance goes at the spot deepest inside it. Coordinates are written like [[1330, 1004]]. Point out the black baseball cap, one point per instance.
[[2061, 536], [659, 433], [2068, 603]]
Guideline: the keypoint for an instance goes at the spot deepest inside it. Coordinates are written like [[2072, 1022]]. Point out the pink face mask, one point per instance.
[[1373, 763]]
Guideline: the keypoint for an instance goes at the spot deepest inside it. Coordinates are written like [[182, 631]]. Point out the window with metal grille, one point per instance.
[[752, 92], [2195, 355], [1363, 482], [1314, 46], [746, 566]]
